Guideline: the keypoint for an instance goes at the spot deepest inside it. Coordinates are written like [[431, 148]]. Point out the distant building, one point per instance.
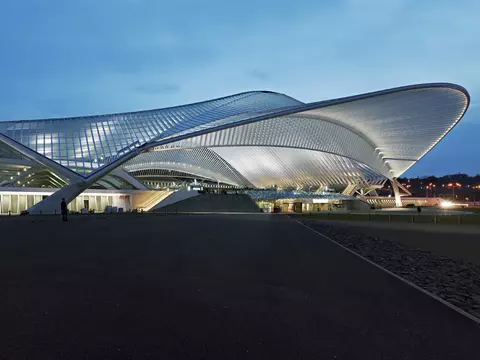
[[252, 140]]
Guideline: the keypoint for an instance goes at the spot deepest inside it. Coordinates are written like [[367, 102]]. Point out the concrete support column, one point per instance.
[[396, 191], [51, 204]]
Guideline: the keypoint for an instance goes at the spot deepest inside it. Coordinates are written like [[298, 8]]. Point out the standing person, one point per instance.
[[63, 206]]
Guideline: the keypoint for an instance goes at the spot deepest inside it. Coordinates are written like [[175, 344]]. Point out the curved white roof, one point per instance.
[[254, 138]]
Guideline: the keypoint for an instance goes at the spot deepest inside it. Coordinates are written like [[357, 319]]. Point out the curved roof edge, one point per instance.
[[244, 93], [325, 103], [421, 86], [394, 90], [304, 106]]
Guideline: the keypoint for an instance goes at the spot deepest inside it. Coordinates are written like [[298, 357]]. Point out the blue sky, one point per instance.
[[80, 57]]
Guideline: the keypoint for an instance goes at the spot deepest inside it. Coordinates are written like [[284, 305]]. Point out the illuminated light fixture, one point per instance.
[[446, 204]]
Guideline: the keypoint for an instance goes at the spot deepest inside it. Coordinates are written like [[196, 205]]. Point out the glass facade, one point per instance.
[[15, 203], [85, 144]]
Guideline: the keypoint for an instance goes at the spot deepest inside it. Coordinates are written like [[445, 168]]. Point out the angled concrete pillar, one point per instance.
[[51, 204], [396, 191]]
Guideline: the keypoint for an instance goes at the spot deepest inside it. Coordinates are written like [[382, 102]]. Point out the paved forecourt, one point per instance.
[[208, 286]]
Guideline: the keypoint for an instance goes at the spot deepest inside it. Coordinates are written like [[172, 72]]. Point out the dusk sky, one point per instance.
[[80, 57]]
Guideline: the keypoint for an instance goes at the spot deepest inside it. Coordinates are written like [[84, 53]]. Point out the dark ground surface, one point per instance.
[[453, 241], [208, 287]]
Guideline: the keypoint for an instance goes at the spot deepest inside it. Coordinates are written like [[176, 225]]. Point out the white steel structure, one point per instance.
[[255, 139]]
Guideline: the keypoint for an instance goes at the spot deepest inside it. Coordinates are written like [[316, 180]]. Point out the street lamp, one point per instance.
[[453, 186], [430, 186]]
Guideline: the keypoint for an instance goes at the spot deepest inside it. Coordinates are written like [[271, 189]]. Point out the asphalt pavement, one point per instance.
[[208, 287]]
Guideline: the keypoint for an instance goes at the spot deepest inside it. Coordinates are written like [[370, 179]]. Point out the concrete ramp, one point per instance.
[[174, 198], [146, 200], [213, 203]]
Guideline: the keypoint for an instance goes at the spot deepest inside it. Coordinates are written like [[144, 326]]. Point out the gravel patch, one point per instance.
[[455, 281]]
